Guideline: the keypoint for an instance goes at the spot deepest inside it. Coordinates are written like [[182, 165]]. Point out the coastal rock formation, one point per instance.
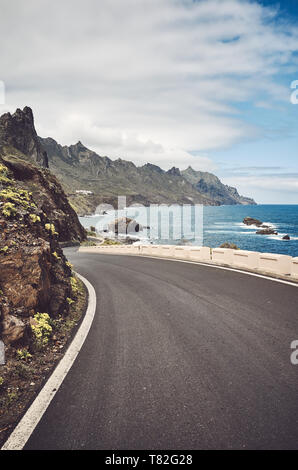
[[264, 229], [18, 136], [267, 231], [18, 131], [34, 217], [251, 221], [286, 237], [211, 186], [34, 275]]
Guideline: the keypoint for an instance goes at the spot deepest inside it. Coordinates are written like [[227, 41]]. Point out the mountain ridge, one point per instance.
[[211, 185], [80, 168]]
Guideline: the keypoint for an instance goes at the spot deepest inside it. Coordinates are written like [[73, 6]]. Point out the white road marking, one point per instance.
[[31, 418]]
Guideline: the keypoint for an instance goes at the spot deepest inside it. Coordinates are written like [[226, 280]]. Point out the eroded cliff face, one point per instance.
[[34, 274], [35, 216], [17, 130], [47, 194], [27, 160]]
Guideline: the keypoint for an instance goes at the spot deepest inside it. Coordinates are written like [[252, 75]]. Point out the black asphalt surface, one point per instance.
[[179, 356]]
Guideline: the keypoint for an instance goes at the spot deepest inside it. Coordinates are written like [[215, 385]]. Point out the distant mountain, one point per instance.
[[79, 168], [213, 188]]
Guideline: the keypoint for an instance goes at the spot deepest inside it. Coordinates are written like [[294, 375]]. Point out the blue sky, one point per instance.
[[267, 167], [204, 83], [288, 8]]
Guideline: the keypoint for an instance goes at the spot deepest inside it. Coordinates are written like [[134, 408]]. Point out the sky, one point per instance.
[[205, 83]]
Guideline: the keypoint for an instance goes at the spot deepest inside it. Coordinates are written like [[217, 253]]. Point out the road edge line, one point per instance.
[[21, 434]]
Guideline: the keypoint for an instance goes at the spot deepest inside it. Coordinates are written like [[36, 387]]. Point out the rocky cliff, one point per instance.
[[18, 131], [34, 217], [79, 168], [27, 160], [34, 275], [213, 188]]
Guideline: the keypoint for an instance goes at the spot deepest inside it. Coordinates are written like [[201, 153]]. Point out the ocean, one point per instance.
[[212, 226]]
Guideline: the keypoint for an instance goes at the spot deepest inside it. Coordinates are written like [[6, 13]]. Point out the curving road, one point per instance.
[[180, 356]]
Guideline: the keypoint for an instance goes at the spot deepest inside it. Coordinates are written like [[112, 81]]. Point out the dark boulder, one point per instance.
[[267, 231], [251, 221]]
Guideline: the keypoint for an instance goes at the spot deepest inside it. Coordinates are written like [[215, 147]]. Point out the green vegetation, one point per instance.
[[23, 354], [232, 246], [9, 209], [56, 256], [18, 196], [23, 370], [88, 243], [69, 265], [91, 234], [35, 218], [108, 241], [41, 329], [51, 228], [74, 286], [4, 179], [12, 396]]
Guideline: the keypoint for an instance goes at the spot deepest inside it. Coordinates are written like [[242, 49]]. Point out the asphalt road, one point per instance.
[[180, 356]]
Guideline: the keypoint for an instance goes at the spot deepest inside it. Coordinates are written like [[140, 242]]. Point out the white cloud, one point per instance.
[[148, 80]]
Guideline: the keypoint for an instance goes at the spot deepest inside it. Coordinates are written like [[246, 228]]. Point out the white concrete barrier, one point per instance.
[[199, 253], [294, 267], [155, 250], [246, 259], [181, 252], [262, 262], [222, 255], [279, 264], [146, 250], [167, 251]]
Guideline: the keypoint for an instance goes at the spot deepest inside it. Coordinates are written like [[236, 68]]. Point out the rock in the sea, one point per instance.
[[252, 221], [286, 237], [267, 231], [125, 225]]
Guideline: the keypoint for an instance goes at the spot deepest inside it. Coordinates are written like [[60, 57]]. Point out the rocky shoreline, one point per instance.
[[264, 229]]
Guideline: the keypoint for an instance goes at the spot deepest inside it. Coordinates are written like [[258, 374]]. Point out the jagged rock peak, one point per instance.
[[79, 144], [151, 166], [17, 130], [174, 171]]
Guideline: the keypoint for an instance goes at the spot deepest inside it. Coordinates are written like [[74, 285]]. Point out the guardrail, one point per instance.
[[280, 265]]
